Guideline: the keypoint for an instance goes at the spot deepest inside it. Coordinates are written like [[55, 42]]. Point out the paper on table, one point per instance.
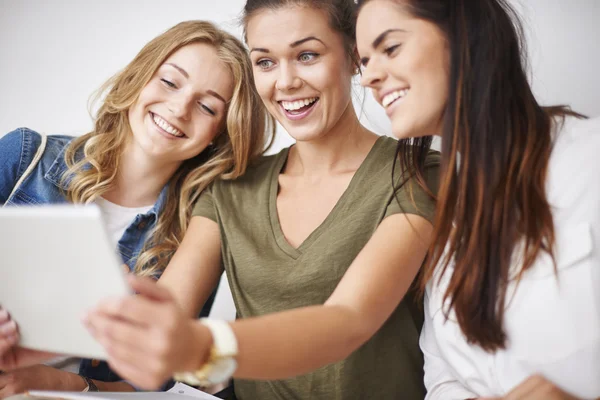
[[189, 394], [182, 388]]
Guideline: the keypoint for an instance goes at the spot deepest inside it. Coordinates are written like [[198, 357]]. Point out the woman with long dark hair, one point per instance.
[[512, 283]]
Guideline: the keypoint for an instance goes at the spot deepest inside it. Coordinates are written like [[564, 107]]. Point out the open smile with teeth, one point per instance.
[[165, 126], [298, 106], [390, 98]]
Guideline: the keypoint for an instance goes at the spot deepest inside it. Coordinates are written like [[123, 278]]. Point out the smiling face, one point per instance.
[[405, 62], [301, 69], [183, 107]]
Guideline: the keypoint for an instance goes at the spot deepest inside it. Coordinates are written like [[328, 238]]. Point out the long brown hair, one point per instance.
[[248, 128], [496, 144]]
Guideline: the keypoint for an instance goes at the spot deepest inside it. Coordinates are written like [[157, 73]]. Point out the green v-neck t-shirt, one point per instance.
[[266, 274]]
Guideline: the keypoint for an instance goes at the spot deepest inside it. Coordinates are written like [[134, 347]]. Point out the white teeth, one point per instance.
[[298, 104], [390, 98], [166, 126]]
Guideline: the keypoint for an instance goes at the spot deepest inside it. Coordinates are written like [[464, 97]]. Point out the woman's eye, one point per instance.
[[264, 64], [207, 109], [390, 50], [307, 57], [169, 83]]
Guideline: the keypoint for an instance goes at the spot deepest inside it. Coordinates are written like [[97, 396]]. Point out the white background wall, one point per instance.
[[55, 53]]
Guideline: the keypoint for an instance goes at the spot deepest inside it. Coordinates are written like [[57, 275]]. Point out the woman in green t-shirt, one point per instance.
[[308, 239]]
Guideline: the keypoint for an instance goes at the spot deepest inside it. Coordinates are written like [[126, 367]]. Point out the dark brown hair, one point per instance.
[[341, 15], [496, 143]]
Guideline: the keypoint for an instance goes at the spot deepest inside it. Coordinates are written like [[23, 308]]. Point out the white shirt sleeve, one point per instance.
[[440, 382]]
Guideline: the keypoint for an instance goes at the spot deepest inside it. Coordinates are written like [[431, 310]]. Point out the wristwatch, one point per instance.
[[221, 363], [91, 386]]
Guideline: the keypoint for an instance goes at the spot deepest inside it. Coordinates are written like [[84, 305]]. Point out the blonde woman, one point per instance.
[[181, 114]]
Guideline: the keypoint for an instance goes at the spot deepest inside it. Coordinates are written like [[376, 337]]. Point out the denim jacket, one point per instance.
[[44, 186]]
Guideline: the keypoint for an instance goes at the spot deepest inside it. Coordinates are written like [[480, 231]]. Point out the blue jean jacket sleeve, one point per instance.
[[11, 155], [17, 150]]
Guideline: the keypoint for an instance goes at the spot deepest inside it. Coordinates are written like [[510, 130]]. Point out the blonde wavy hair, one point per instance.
[[93, 159]]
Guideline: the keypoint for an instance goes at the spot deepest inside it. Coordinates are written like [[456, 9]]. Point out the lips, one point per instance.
[[392, 97], [298, 105], [298, 109], [165, 126]]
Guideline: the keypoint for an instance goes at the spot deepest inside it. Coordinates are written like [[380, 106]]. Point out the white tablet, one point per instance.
[[56, 263]]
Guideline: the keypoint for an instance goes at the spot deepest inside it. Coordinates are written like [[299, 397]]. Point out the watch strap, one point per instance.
[[91, 386], [221, 363], [224, 340]]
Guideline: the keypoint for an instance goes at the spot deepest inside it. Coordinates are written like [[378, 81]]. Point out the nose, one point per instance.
[[372, 74], [287, 79], [179, 105]]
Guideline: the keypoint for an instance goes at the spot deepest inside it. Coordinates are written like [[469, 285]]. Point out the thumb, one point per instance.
[[148, 288]]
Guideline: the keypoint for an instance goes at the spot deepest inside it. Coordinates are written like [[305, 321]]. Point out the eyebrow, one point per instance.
[[306, 39], [294, 44], [259, 49], [217, 95], [184, 73], [383, 35], [178, 68]]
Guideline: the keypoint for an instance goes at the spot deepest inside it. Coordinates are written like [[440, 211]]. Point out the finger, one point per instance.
[[36, 356], [143, 360], [9, 340], [136, 376], [148, 287], [8, 385], [4, 380], [7, 391], [133, 309], [112, 332], [8, 328], [4, 315], [6, 344], [16, 385], [21, 357]]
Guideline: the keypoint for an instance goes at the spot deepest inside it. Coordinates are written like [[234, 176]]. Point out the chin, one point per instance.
[[304, 134], [403, 131]]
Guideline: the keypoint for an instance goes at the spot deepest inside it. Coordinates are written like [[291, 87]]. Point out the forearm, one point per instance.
[[295, 342], [121, 386], [195, 269], [74, 382]]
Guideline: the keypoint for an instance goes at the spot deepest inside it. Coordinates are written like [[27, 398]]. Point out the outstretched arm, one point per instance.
[[314, 336]]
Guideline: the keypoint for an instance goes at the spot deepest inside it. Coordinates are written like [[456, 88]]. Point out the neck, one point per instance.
[[340, 150], [139, 179]]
